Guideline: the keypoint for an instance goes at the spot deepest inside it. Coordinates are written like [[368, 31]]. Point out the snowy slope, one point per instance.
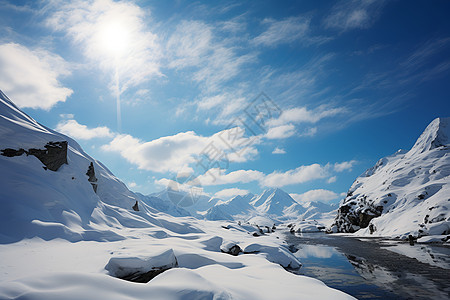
[[405, 194], [68, 233]]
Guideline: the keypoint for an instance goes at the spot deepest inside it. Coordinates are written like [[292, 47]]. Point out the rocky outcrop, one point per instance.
[[136, 206], [356, 213], [53, 156], [92, 179]]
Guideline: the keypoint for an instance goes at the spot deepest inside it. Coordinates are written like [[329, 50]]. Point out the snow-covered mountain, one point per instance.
[[407, 193], [196, 204], [273, 203], [70, 229], [236, 208]]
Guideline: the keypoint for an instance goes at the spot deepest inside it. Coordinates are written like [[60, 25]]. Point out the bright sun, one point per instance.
[[114, 38]]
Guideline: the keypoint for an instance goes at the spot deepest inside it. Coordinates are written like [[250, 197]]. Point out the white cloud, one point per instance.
[[194, 190], [303, 115], [229, 193], [189, 44], [309, 132], [132, 184], [279, 151], [284, 31], [216, 176], [112, 34], [170, 153], [332, 179], [315, 195], [347, 15], [31, 77], [66, 116], [280, 132], [207, 103], [299, 175], [78, 131], [180, 152], [343, 166], [212, 61]]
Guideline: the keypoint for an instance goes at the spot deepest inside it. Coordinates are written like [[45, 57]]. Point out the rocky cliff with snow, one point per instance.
[[407, 193]]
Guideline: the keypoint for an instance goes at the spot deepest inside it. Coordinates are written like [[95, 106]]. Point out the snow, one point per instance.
[[61, 240], [406, 193]]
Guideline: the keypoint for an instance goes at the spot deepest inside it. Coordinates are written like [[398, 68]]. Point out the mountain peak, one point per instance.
[[436, 134]]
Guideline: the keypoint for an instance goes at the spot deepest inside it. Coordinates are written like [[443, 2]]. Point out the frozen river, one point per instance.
[[373, 268]]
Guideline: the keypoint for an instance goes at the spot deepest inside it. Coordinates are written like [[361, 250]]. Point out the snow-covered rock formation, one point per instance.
[[407, 193]]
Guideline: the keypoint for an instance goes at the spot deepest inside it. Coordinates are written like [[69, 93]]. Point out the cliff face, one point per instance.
[[407, 193]]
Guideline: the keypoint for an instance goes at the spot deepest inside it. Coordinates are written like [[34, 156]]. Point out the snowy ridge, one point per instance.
[[403, 194], [72, 233]]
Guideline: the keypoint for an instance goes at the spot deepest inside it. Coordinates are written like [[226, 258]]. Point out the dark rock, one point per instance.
[[364, 219], [344, 209], [136, 206], [53, 156], [143, 277], [12, 152], [235, 250], [292, 248], [411, 240], [92, 179]]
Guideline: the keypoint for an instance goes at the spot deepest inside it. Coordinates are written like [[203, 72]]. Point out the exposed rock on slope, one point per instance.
[[407, 193], [53, 156]]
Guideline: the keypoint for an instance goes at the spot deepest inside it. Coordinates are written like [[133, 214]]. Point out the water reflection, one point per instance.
[[316, 251], [405, 285], [365, 278], [330, 266]]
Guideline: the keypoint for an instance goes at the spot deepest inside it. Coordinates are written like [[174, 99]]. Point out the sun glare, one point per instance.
[[114, 38]]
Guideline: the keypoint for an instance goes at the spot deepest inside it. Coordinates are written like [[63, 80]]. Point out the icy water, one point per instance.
[[371, 268]]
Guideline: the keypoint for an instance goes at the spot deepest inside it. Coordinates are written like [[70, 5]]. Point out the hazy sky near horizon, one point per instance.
[[244, 95]]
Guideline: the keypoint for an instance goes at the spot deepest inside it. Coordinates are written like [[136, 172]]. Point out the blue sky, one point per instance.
[[352, 81]]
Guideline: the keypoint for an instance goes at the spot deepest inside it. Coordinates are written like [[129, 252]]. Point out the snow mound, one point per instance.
[[275, 254], [141, 269]]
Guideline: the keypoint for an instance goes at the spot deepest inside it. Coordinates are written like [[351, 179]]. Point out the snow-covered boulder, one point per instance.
[[141, 269], [230, 248], [274, 253]]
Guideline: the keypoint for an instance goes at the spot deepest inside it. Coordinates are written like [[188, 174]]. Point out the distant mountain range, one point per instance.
[[273, 203]]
